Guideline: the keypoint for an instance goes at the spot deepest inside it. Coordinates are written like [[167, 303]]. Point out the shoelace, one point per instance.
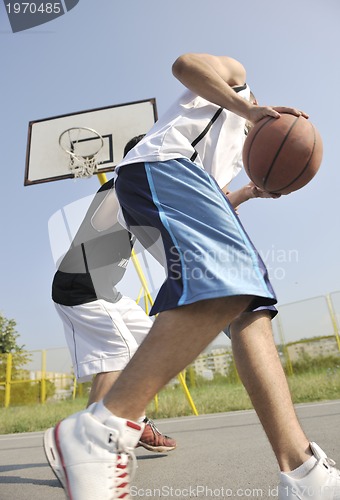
[[124, 472], [152, 424], [331, 463]]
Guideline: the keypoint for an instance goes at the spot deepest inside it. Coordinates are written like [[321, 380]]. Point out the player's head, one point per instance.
[[132, 143]]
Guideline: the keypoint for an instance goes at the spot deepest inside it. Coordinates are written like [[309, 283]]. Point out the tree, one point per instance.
[[24, 392], [8, 336], [9, 345]]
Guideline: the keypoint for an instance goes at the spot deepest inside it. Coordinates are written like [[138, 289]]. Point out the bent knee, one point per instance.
[[246, 318]]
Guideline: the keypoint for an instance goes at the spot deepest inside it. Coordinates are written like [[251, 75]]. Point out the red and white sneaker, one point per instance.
[[92, 460], [153, 440]]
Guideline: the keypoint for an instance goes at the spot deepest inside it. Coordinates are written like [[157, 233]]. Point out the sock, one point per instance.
[[101, 412], [303, 469], [141, 419]]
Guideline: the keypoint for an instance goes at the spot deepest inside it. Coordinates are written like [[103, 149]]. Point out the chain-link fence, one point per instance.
[[308, 327], [32, 377]]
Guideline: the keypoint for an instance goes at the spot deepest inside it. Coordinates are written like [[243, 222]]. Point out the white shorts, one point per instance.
[[103, 336]]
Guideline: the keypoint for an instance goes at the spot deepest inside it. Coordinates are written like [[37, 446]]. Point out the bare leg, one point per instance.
[[177, 337], [101, 385], [262, 374]]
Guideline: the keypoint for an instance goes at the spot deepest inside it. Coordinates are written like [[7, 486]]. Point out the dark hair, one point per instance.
[[132, 143]]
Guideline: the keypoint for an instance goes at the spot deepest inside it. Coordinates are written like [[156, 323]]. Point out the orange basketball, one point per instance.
[[281, 155]]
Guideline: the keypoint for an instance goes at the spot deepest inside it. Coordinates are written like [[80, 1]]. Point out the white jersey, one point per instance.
[[196, 129]]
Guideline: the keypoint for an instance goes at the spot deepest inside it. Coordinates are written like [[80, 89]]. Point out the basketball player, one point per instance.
[[172, 181], [102, 328]]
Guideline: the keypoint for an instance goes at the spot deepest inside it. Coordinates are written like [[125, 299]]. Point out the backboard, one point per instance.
[[46, 161]]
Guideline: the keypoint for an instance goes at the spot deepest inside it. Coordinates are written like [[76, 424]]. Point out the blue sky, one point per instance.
[[105, 53]]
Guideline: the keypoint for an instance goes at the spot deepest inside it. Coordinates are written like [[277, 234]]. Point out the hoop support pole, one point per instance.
[[102, 179]]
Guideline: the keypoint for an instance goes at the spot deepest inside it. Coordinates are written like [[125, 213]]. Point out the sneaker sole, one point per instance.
[[53, 458], [157, 449]]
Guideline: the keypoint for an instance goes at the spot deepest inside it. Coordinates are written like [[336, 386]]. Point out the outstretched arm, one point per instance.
[[245, 193]]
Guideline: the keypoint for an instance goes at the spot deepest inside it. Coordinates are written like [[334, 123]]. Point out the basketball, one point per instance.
[[281, 155]]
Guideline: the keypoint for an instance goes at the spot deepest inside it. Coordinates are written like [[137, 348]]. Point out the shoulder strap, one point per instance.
[[204, 132], [210, 124]]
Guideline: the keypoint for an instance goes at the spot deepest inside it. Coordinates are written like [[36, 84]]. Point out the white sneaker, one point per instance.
[[91, 459], [321, 483]]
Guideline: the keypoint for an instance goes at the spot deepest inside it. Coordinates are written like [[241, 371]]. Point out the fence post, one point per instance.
[[155, 399], [333, 318], [181, 378], [74, 391], [43, 377], [232, 364], [8, 380], [284, 347]]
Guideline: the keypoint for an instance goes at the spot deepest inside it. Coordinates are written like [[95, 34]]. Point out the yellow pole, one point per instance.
[[146, 304], [141, 276], [181, 378], [43, 377], [333, 318], [74, 390], [238, 380], [8, 380], [80, 390], [102, 179], [284, 347], [156, 403], [139, 295]]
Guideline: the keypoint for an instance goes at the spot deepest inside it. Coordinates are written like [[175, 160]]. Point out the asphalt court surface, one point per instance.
[[224, 455]]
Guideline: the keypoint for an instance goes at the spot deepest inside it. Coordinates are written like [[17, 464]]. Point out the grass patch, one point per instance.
[[211, 397], [314, 387], [38, 417], [319, 382]]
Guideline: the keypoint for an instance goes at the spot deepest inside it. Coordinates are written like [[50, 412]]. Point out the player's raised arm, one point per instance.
[[212, 77]]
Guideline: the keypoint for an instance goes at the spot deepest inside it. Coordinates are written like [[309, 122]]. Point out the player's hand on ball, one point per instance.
[[260, 193], [291, 111], [256, 113]]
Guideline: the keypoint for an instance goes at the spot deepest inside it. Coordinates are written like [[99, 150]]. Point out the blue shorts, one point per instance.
[[208, 253]]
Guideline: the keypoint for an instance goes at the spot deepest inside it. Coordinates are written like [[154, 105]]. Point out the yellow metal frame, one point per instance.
[[289, 365], [148, 300], [8, 380], [333, 319]]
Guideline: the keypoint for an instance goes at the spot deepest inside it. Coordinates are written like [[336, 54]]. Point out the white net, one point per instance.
[[83, 166], [82, 144]]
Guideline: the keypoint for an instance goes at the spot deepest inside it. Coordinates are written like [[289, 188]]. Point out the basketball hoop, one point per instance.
[[82, 144]]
